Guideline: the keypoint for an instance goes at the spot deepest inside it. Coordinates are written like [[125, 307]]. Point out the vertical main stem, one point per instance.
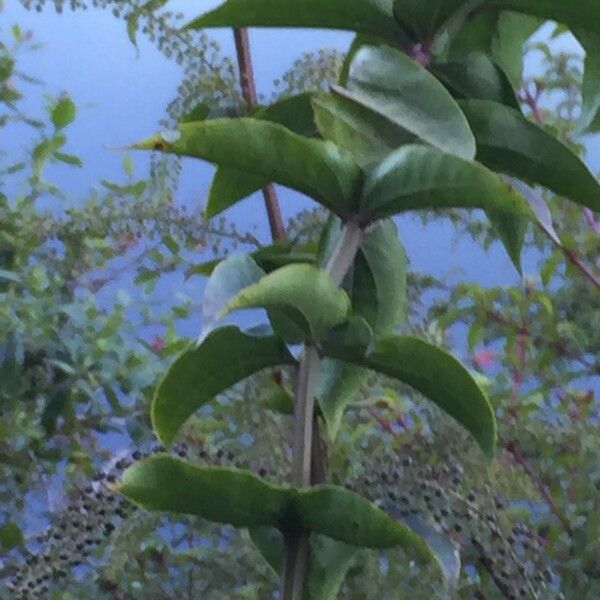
[[296, 543], [242, 47]]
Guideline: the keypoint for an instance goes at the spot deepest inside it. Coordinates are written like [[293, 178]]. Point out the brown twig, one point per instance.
[[248, 85]]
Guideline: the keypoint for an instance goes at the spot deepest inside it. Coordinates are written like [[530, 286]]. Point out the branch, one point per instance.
[[242, 46]]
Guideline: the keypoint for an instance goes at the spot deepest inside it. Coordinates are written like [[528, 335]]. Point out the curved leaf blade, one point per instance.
[[240, 498], [510, 143], [316, 168], [369, 136], [418, 177], [476, 76], [236, 497], [230, 185], [224, 357], [396, 87], [378, 278], [434, 373], [304, 293], [371, 17]]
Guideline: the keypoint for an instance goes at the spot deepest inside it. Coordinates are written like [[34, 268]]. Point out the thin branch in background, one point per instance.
[[242, 46]]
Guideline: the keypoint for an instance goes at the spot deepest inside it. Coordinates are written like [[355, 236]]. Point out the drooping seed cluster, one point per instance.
[[94, 512], [476, 521]]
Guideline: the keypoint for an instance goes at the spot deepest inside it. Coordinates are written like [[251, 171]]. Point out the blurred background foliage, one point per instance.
[[95, 302]]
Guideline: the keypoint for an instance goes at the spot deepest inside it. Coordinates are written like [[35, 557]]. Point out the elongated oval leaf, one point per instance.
[[222, 495], [225, 357], [264, 149], [373, 17], [305, 293], [368, 135], [509, 143], [229, 185], [241, 499], [437, 375], [418, 177], [476, 77], [394, 86]]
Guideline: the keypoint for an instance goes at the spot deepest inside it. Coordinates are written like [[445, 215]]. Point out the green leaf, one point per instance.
[[10, 536], [584, 14], [198, 113], [476, 76], [436, 374], [293, 112], [7, 64], [231, 496], [421, 19], [230, 277], [241, 499], [63, 113], [319, 169], [501, 35], [329, 562], [69, 159], [223, 358], [276, 398], [509, 143], [396, 87], [304, 293], [378, 278], [418, 177], [337, 386], [134, 17], [268, 258], [369, 136], [371, 17], [229, 185], [590, 110]]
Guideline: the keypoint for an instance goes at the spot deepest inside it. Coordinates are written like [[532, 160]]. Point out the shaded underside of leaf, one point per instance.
[[372, 17], [437, 375], [225, 357]]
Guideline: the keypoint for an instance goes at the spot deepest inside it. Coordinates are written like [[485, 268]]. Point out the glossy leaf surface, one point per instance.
[[396, 87]]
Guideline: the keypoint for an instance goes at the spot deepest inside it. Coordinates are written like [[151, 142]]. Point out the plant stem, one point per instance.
[[248, 85], [296, 544]]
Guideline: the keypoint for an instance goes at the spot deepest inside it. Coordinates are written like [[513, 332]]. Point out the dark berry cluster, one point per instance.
[[476, 521], [94, 512]]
